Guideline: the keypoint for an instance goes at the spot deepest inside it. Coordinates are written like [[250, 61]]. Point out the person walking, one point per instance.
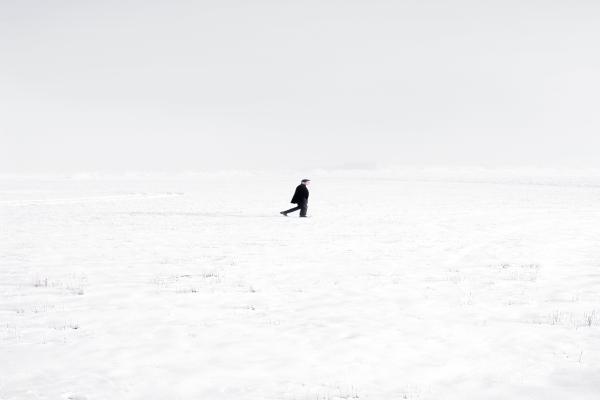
[[300, 198]]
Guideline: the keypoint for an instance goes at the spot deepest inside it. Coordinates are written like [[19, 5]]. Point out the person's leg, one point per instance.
[[303, 208], [291, 210]]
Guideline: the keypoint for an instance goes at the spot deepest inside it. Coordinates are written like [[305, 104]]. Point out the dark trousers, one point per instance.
[[302, 206]]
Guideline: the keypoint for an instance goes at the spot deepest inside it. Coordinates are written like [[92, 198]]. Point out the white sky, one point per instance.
[[192, 85]]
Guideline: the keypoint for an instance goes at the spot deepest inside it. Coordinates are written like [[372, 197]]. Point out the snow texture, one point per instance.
[[405, 284]]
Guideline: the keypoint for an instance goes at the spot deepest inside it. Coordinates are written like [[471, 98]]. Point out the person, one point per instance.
[[300, 199]]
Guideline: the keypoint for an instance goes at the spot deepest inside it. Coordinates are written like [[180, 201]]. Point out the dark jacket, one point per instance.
[[300, 195]]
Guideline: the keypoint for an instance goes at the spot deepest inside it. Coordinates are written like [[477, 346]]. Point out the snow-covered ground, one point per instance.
[[401, 285]]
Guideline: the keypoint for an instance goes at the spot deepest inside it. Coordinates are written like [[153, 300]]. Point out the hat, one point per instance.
[[305, 180]]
